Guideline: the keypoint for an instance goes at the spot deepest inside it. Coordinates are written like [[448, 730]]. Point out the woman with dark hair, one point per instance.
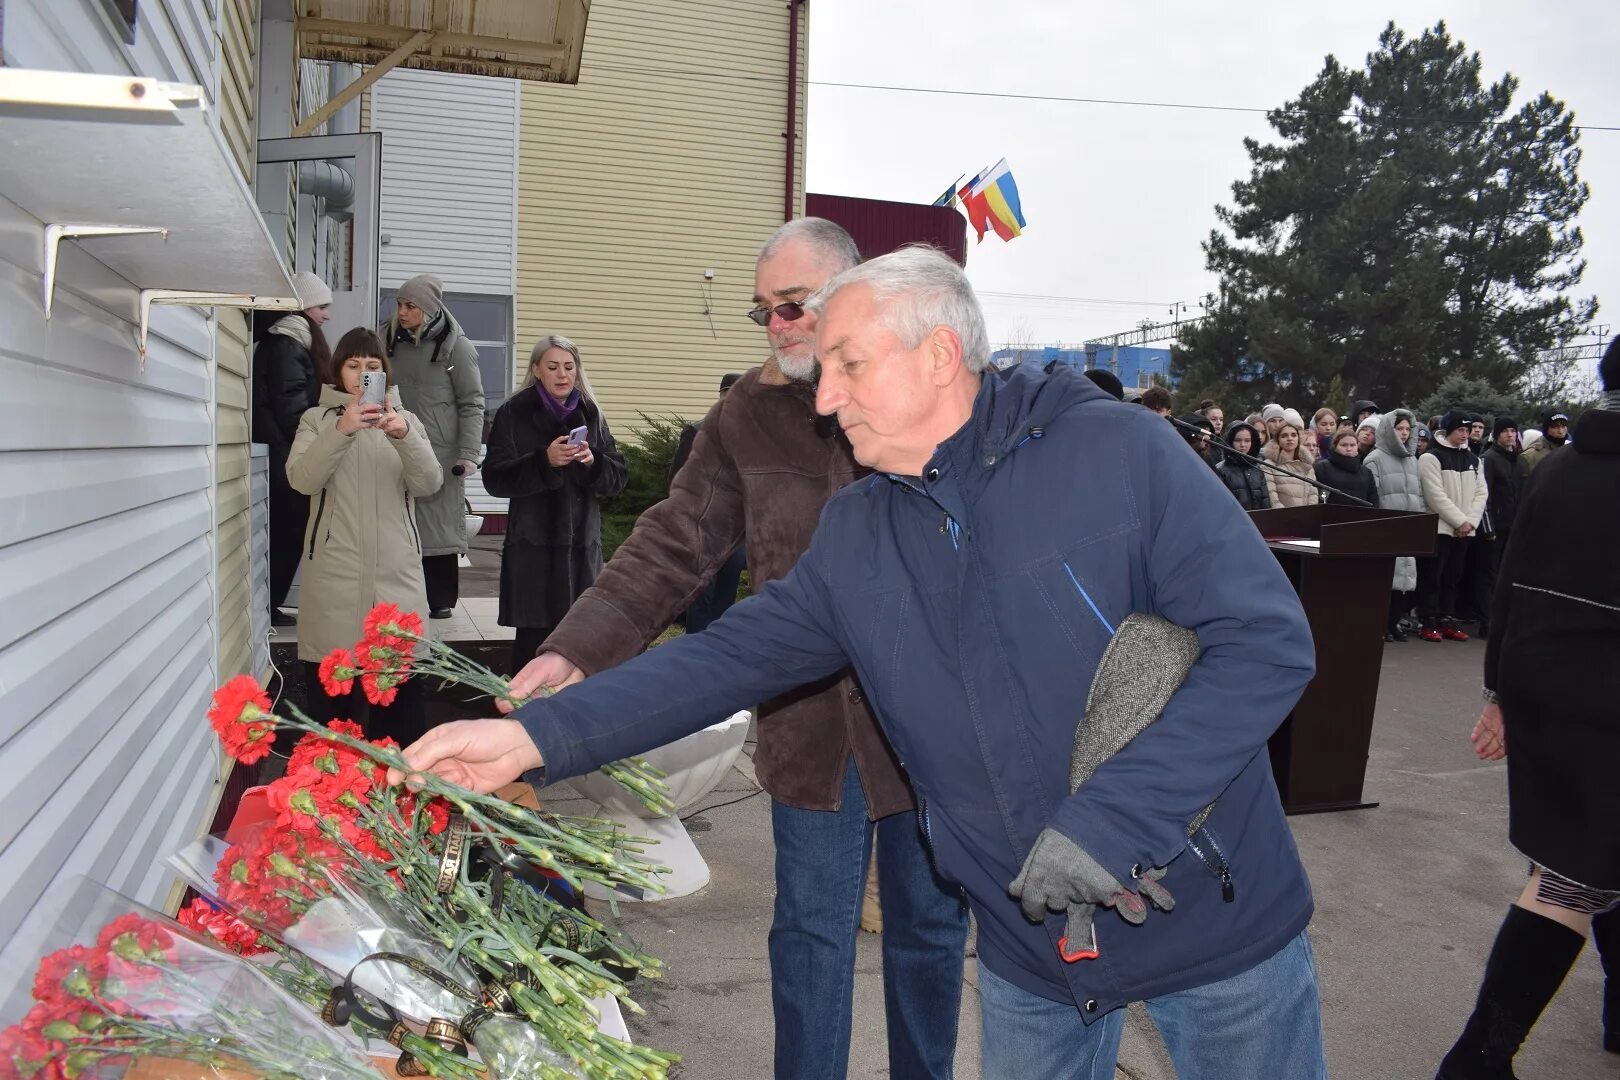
[[1244, 479], [1343, 471], [289, 364], [555, 476], [365, 465]]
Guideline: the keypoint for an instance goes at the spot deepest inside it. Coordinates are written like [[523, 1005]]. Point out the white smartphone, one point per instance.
[[373, 388], [577, 436]]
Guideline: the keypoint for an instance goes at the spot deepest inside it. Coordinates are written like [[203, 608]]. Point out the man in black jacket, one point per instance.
[[1506, 474]]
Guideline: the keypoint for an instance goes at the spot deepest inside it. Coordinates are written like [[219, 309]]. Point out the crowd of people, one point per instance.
[[367, 493], [1472, 481], [915, 651]]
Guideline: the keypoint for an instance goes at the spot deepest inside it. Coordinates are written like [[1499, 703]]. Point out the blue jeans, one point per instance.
[[718, 595], [821, 859], [1264, 1022]]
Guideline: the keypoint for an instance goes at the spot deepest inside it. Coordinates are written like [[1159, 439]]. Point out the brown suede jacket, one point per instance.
[[760, 472]]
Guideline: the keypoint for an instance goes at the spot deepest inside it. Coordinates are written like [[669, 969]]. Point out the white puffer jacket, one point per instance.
[[1394, 465]]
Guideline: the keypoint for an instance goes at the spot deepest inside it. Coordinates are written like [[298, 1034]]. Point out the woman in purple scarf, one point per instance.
[[554, 482]]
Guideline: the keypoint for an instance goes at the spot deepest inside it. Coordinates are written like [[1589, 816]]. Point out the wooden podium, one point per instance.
[[1341, 560]]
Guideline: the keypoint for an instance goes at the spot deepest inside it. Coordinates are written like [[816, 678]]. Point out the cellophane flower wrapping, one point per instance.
[[115, 980], [337, 924]]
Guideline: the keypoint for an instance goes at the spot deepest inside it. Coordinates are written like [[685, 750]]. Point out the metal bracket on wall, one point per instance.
[[55, 233], [204, 299]]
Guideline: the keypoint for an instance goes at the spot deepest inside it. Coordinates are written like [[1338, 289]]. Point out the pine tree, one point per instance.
[[1403, 228]]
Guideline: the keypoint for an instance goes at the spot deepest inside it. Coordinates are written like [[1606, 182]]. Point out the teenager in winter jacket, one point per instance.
[[1554, 437], [1552, 688], [288, 366], [1393, 464], [1454, 488], [1344, 471], [439, 381], [1245, 480], [364, 467], [1291, 465], [552, 550]]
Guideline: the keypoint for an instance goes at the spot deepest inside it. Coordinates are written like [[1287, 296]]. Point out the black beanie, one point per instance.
[[1451, 421], [1106, 380], [1501, 425]]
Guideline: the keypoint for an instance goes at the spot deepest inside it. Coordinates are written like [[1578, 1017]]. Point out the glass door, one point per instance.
[[319, 196]]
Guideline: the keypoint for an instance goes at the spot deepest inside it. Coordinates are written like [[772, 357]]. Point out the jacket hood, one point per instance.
[[1254, 437], [1016, 404], [1362, 406], [1388, 441], [333, 398]]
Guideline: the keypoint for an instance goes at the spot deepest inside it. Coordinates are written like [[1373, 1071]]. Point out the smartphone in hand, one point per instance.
[[577, 436], [374, 388]]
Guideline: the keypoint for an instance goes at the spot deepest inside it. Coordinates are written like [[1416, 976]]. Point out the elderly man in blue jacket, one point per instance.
[[973, 583]]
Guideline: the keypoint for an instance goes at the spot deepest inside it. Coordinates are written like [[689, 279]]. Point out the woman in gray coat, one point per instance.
[[1393, 463], [436, 369]]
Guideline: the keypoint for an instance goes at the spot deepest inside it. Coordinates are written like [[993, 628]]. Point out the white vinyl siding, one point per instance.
[[108, 589], [449, 179]]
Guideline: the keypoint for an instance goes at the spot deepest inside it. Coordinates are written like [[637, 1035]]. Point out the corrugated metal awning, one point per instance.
[[539, 40]]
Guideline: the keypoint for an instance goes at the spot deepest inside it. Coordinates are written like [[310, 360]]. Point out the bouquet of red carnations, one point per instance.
[[427, 908], [118, 982]]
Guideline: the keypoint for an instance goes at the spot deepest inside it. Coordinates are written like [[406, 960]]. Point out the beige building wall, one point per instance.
[[667, 159], [238, 36]]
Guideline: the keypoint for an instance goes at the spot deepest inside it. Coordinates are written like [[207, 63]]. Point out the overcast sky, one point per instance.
[[1119, 197]]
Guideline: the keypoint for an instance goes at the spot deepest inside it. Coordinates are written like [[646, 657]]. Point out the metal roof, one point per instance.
[[539, 40]]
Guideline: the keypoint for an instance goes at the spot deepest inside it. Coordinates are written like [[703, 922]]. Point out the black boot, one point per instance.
[[1606, 936], [1528, 963]]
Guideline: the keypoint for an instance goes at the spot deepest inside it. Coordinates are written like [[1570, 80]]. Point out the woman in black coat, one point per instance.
[[553, 546], [289, 366], [1552, 691], [1343, 471], [1246, 481]]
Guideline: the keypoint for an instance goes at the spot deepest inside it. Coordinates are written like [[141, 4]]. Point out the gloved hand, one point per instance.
[[1059, 876]]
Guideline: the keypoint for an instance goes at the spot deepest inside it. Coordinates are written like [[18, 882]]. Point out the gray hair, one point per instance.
[[827, 238], [935, 292], [557, 341]]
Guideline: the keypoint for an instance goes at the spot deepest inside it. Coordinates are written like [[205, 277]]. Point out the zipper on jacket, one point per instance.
[[925, 827], [1218, 865], [315, 529], [410, 524]]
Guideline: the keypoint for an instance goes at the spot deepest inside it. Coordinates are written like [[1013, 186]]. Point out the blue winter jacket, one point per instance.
[[974, 602]]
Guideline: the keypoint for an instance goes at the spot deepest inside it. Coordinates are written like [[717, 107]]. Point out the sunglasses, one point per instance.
[[792, 311]]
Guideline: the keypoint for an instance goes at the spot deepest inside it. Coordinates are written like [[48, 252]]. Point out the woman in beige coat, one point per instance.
[[1290, 486], [363, 467]]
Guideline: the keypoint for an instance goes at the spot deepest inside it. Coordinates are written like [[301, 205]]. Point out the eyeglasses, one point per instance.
[[792, 311]]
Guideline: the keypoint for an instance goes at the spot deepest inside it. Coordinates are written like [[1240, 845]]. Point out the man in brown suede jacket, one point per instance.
[[762, 466]]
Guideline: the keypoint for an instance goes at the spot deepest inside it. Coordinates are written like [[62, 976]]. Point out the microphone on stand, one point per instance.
[[1263, 464]]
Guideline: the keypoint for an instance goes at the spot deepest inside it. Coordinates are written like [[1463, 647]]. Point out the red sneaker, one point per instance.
[[1451, 633], [1429, 633]]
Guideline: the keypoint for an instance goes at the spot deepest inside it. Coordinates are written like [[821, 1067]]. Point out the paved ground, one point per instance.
[[1408, 899]]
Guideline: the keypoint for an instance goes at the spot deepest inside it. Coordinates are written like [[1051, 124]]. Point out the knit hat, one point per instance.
[[1106, 380], [1421, 432], [1273, 412], [310, 290], [1369, 422], [1503, 423], [1554, 418], [1291, 416], [425, 291], [1452, 420]]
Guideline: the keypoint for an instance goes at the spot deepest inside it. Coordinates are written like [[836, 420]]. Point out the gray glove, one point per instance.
[[1059, 876]]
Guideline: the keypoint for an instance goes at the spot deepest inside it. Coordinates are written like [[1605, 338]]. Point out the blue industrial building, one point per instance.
[[1137, 364]]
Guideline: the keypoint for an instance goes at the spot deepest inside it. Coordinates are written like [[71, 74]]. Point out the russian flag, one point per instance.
[[999, 191]]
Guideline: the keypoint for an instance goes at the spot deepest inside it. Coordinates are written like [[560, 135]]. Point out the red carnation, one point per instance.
[[135, 938], [241, 717], [69, 975], [24, 1052], [222, 927], [337, 672], [381, 687], [388, 625]]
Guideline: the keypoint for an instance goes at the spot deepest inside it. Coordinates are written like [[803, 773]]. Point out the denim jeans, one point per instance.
[[718, 595], [1264, 1022], [821, 859]]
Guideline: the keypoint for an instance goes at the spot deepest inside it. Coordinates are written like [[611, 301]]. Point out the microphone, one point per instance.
[[1270, 466]]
